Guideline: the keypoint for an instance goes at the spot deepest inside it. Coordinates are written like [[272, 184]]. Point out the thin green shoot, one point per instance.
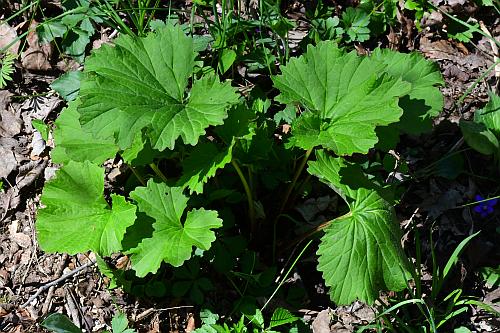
[[429, 316], [454, 259], [473, 203], [286, 275], [248, 192], [158, 172], [296, 176], [21, 10], [137, 175], [476, 82]]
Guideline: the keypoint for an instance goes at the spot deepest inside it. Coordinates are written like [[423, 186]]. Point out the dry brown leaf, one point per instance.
[[10, 123], [36, 57], [7, 36], [122, 262], [37, 145], [322, 322], [8, 162]]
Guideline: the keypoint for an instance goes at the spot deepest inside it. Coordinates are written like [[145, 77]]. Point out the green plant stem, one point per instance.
[[476, 202], [137, 175], [286, 275], [476, 82], [296, 176], [248, 192], [418, 264], [158, 172], [303, 237]]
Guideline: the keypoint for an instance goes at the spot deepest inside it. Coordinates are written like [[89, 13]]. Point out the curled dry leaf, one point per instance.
[[37, 56], [10, 122], [322, 322], [37, 144], [20, 238], [7, 163], [8, 38]]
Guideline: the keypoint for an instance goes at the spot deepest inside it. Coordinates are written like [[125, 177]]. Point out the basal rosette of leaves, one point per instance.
[[344, 100], [141, 99]]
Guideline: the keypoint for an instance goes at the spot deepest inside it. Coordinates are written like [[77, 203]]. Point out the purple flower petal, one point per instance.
[[478, 197], [478, 209]]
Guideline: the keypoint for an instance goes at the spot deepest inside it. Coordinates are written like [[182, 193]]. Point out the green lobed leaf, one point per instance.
[[75, 43], [356, 22], [237, 124], [76, 218], [346, 97], [360, 252], [74, 143], [68, 85], [281, 317], [41, 127], [172, 241], [48, 31], [141, 83], [202, 164], [424, 101]]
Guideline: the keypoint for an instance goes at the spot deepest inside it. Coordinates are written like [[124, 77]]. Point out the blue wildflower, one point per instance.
[[484, 208]]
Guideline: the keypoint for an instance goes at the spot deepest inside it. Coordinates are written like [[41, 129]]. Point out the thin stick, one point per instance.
[[56, 281]]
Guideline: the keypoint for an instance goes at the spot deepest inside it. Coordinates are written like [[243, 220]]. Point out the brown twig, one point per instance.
[[50, 293], [56, 281]]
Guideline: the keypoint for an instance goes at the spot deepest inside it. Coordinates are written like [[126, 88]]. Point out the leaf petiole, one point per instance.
[[137, 175], [296, 176], [248, 192], [158, 172]]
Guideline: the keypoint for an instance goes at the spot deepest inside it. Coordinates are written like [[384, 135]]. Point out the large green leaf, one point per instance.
[[483, 133], [76, 218], [172, 241], [424, 101], [141, 83], [360, 253], [490, 114], [346, 96], [73, 143], [202, 164], [479, 137]]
